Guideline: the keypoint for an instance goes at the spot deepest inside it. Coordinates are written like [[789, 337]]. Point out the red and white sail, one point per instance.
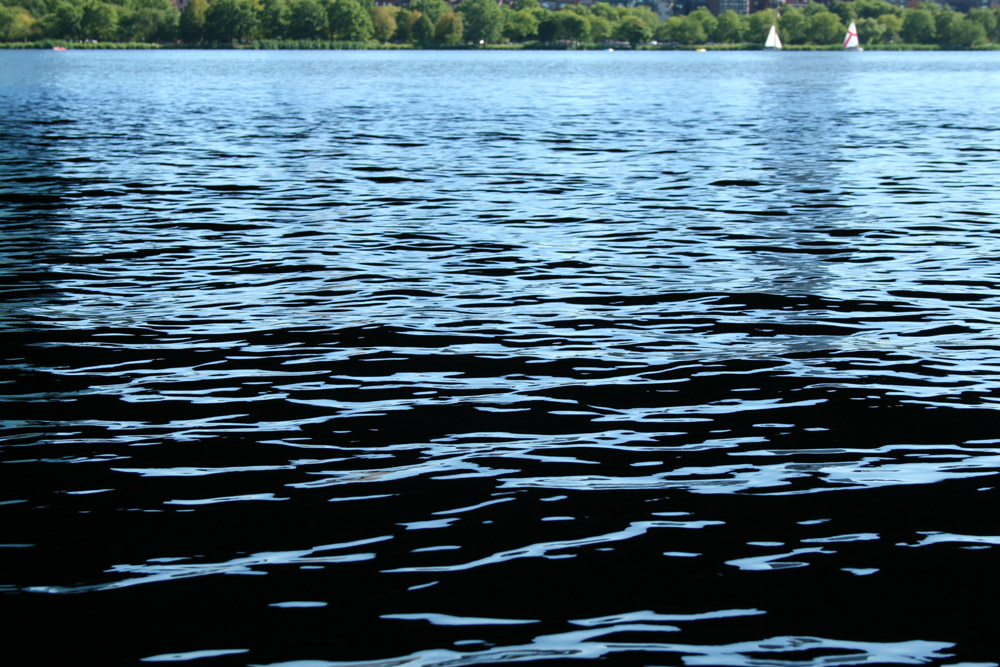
[[851, 38]]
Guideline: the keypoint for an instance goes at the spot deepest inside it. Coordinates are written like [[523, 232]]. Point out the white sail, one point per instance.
[[851, 38], [773, 41]]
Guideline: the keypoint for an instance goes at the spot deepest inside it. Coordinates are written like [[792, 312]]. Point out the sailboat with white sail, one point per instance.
[[773, 41], [851, 42]]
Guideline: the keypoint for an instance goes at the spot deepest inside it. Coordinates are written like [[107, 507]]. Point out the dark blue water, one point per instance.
[[468, 358]]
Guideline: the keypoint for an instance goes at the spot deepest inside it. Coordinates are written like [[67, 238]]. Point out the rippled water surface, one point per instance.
[[455, 358]]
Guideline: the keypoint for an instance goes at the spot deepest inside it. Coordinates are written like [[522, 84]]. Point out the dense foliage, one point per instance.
[[476, 22]]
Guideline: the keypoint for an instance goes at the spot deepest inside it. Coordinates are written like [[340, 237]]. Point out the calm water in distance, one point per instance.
[[456, 358]]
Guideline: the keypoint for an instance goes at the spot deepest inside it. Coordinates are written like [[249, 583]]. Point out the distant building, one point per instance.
[[666, 8], [738, 6], [966, 5], [688, 6]]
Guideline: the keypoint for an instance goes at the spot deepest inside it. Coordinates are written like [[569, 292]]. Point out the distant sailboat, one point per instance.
[[851, 39], [773, 41]]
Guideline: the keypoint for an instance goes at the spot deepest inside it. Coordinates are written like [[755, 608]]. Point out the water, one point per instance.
[[465, 358]]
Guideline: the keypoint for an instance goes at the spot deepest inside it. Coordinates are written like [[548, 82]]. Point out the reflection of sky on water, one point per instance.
[[526, 185], [616, 639], [394, 327]]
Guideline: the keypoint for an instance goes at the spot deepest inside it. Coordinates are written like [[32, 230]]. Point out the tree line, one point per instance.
[[436, 23]]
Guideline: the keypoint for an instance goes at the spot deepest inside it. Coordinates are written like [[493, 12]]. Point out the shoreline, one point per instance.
[[316, 45]]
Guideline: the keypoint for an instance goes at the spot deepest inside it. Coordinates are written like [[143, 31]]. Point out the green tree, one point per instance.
[[604, 10], [870, 31], [518, 26], [548, 25], [572, 26], [384, 23], [274, 18], [148, 24], [918, 27], [986, 18], [812, 8], [192, 22], [633, 30], [846, 11], [350, 22], [729, 28], [794, 26], [423, 29], [162, 5], [522, 5], [231, 20], [872, 9], [100, 21], [707, 20], [434, 9], [483, 21], [66, 21], [15, 24], [682, 30], [308, 20], [759, 24], [892, 27], [646, 15], [35, 8], [944, 16], [825, 28], [448, 30], [404, 25], [600, 29], [666, 32], [962, 31]]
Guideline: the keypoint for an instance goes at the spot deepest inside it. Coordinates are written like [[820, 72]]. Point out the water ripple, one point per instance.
[[631, 356]]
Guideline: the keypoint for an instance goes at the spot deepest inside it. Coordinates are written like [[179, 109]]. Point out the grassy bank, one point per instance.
[[315, 44], [54, 43], [269, 44]]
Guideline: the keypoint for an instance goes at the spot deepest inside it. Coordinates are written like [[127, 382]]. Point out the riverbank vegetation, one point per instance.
[[476, 23]]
